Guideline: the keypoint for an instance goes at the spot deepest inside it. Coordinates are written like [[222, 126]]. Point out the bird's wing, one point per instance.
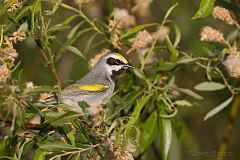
[[77, 89], [86, 88]]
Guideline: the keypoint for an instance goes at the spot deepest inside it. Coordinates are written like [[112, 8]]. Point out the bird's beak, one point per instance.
[[128, 66]]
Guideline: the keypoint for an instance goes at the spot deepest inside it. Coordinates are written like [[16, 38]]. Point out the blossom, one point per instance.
[[123, 154], [161, 33], [143, 38], [4, 73], [210, 34], [14, 6], [223, 14], [18, 36], [142, 7], [8, 53], [94, 60], [116, 41], [232, 63], [124, 19]]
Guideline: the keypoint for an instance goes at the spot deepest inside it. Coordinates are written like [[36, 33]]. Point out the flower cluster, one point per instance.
[[161, 33], [94, 60], [8, 53], [142, 7], [4, 73], [232, 63], [124, 19], [14, 6], [143, 38], [223, 14], [211, 35]]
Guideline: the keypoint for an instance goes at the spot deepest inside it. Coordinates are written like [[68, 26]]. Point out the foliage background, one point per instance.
[[197, 135]]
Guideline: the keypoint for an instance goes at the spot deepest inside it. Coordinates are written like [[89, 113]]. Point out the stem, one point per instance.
[[76, 151], [229, 128], [83, 16], [156, 39], [149, 53], [51, 67]]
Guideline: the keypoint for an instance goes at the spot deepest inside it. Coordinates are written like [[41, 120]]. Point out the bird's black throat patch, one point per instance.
[[115, 74]]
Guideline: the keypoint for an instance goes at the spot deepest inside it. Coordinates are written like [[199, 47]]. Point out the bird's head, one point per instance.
[[114, 64]]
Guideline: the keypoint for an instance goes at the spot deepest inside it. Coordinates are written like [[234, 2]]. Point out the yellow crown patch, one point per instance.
[[121, 57]]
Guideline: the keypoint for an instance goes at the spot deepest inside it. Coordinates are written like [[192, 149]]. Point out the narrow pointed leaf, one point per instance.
[[209, 86], [54, 146], [204, 9], [39, 154], [75, 51], [136, 29], [67, 117], [165, 130], [135, 115], [190, 93], [149, 131], [172, 49], [218, 108]]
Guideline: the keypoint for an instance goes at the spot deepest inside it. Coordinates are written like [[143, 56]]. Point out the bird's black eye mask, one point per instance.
[[112, 61]]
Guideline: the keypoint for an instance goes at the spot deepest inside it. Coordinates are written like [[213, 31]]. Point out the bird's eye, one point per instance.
[[118, 61]]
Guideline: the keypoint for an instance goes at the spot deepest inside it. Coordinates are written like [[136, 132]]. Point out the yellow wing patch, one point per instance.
[[93, 87], [121, 57]]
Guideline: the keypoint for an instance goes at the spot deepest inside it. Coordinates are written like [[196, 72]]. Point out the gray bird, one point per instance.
[[97, 86]]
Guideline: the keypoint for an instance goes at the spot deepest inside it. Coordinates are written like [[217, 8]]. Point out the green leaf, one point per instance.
[[177, 33], [40, 154], [190, 93], [24, 27], [74, 30], [65, 118], [46, 88], [177, 126], [204, 9], [149, 130], [57, 27], [172, 49], [35, 8], [55, 146], [28, 146], [74, 50], [67, 129], [5, 146], [139, 74], [165, 130], [135, 115], [90, 42], [83, 135], [6, 5], [166, 66], [51, 116], [218, 108], [136, 29], [70, 41], [75, 156], [15, 19], [68, 19], [183, 103], [209, 86], [20, 114], [71, 137], [168, 13]]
